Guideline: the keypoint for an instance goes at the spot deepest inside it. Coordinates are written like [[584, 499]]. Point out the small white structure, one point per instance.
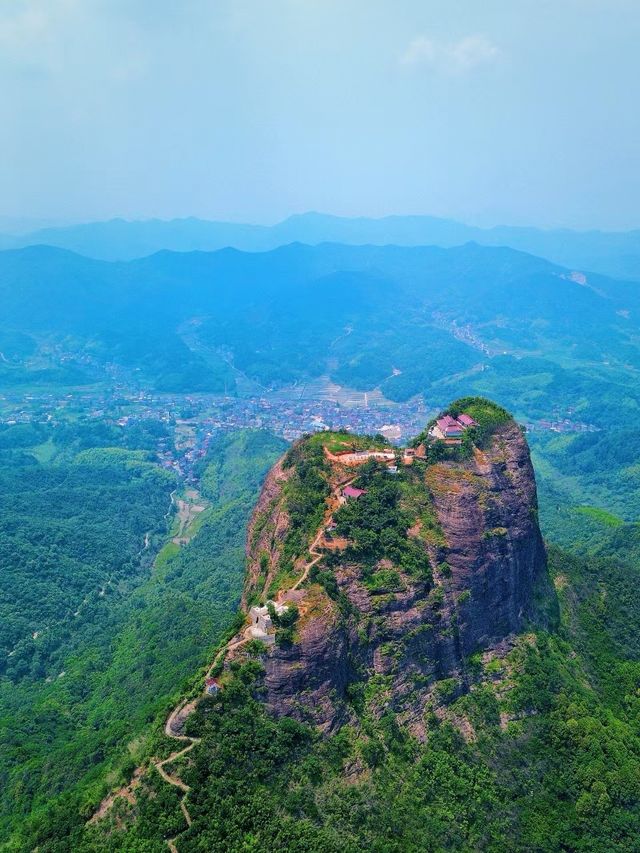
[[261, 622]]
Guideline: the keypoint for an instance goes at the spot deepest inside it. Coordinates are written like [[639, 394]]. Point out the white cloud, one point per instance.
[[22, 28], [36, 35], [450, 57], [72, 42]]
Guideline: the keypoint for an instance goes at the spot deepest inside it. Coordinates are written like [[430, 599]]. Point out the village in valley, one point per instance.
[[187, 423]]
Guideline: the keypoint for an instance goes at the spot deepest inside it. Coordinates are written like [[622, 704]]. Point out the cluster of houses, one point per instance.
[[447, 428], [450, 429]]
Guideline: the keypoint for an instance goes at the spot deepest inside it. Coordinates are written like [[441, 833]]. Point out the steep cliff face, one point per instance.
[[267, 530], [309, 678], [487, 510], [431, 566]]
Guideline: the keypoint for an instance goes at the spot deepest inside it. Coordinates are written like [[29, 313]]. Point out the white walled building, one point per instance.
[[261, 622]]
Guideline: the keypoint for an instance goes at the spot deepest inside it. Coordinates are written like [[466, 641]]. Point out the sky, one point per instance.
[[487, 111]]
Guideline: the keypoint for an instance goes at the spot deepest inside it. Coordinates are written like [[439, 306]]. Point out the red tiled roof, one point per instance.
[[449, 426], [447, 421], [466, 420], [352, 492]]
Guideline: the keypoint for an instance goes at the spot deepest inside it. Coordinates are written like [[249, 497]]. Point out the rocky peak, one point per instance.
[[399, 585]]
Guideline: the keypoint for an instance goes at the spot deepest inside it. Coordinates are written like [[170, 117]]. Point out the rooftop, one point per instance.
[[352, 492]]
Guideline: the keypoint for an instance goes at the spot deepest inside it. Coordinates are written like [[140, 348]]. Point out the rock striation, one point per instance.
[[488, 513]]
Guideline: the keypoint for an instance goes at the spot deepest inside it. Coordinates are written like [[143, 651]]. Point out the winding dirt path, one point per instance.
[[176, 719], [317, 555], [313, 548], [246, 636], [173, 780], [183, 710], [178, 715]]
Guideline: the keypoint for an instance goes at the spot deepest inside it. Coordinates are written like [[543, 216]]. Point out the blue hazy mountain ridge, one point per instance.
[[370, 317], [611, 253], [477, 280]]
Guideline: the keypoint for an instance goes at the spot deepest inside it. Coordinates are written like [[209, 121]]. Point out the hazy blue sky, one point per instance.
[[517, 111]]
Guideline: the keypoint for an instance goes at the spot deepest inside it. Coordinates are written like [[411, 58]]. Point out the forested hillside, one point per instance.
[[62, 551], [532, 744], [106, 623], [552, 762], [407, 321], [102, 631]]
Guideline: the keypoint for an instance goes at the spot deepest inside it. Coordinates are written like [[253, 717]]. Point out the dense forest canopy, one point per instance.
[[99, 631]]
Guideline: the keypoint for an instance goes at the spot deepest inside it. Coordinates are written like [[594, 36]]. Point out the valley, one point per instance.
[[159, 392], [544, 341], [319, 531]]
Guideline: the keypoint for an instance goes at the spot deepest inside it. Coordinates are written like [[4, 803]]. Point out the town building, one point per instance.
[[352, 493], [466, 420]]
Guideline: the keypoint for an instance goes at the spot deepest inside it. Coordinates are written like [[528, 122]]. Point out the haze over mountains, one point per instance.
[[611, 253], [132, 617], [406, 320], [320, 535]]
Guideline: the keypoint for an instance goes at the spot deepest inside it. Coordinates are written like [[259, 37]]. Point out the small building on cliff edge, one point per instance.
[[448, 428], [261, 622]]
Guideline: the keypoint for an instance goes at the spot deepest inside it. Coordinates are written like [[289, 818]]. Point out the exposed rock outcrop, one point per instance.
[[308, 679], [267, 530], [487, 510]]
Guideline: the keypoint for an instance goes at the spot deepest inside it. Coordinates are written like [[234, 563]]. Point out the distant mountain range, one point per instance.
[[404, 320], [612, 253]]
